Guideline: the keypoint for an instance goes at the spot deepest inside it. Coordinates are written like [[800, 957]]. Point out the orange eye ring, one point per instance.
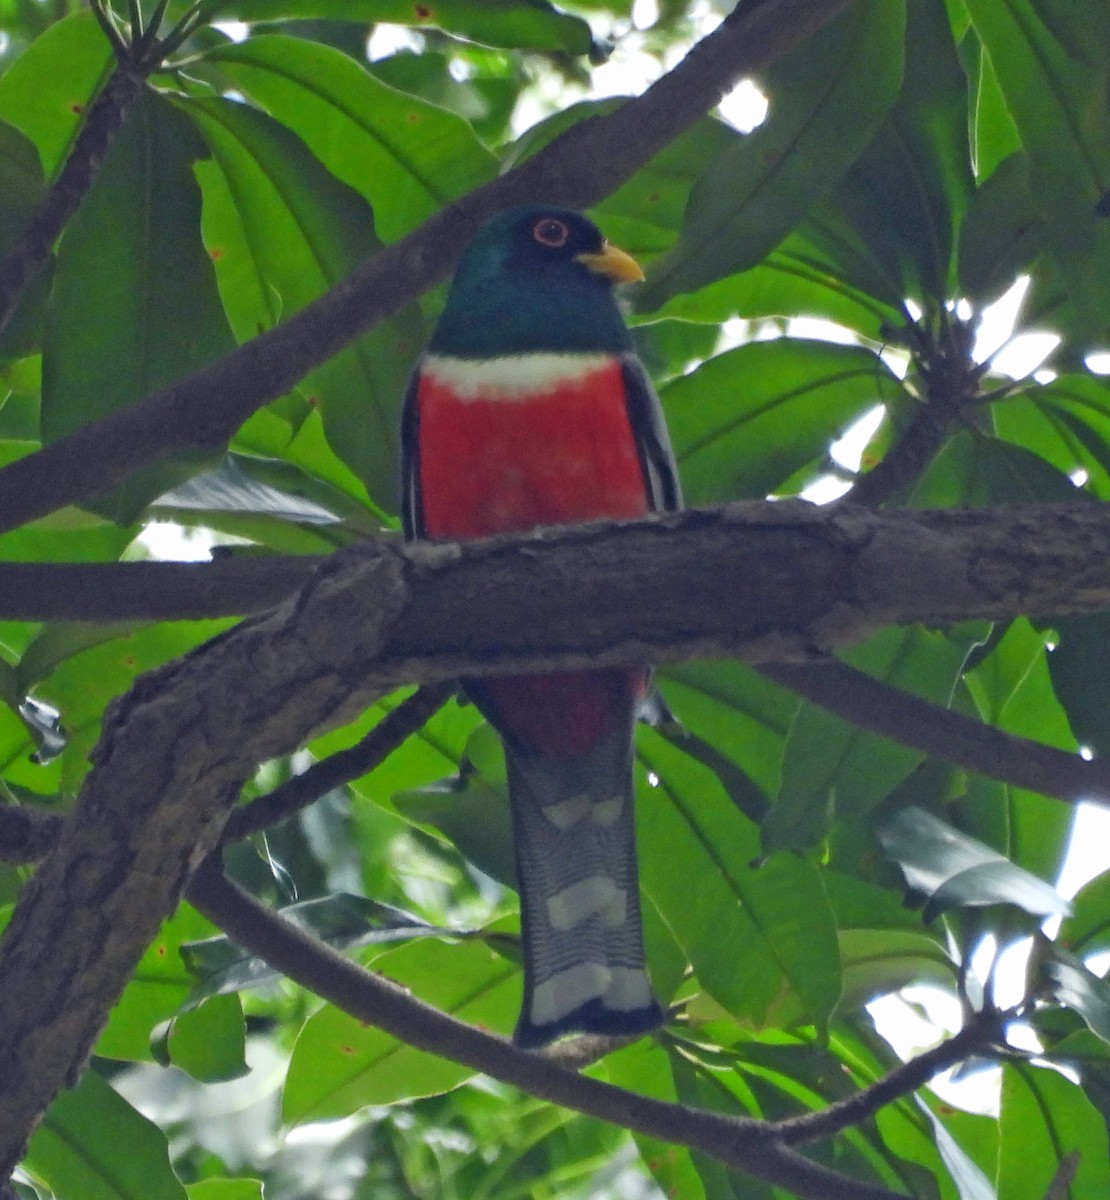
[[551, 232]]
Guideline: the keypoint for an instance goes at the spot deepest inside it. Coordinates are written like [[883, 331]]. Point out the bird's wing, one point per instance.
[[645, 415], [412, 509]]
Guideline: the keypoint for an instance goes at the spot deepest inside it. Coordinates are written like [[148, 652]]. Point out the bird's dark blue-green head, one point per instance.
[[536, 279]]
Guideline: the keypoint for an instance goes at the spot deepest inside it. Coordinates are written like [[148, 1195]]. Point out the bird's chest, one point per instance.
[[518, 442]]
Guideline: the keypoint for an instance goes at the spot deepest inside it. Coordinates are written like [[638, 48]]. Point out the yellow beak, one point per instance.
[[613, 263]]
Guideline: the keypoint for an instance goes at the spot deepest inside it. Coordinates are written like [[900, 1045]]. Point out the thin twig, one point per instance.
[[978, 1035], [340, 768]]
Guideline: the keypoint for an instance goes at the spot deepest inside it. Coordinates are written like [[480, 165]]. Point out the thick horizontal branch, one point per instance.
[[745, 1144], [579, 168], [231, 586], [763, 581]]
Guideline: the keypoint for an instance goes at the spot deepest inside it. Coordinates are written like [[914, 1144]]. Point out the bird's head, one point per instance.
[[536, 279]]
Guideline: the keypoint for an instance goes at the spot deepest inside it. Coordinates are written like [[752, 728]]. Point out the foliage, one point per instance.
[[918, 158]]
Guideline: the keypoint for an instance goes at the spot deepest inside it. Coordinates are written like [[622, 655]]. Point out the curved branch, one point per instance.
[[742, 1143], [580, 167]]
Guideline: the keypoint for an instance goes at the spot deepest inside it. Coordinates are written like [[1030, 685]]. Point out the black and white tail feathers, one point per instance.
[[574, 831]]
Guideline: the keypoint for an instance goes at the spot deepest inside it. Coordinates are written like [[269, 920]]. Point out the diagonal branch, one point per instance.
[[744, 1144], [982, 1032], [330, 773], [579, 168], [903, 717]]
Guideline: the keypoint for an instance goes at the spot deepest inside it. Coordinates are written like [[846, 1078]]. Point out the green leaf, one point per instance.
[[208, 1042], [154, 313], [1077, 666], [282, 230], [957, 871], [519, 24], [828, 97], [155, 992], [406, 157], [833, 769], [476, 819], [805, 275], [1087, 930], [877, 962], [225, 1189], [1043, 1118], [81, 684], [92, 1145], [773, 917], [340, 1064], [644, 1068], [735, 710], [906, 193], [1061, 108], [47, 90], [1001, 232], [747, 420], [1075, 985]]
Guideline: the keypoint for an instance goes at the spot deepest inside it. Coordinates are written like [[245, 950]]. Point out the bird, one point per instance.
[[529, 408]]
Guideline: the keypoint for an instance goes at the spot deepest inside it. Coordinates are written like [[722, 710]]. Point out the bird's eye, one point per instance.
[[549, 231]]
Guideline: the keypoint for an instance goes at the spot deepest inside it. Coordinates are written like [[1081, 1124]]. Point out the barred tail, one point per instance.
[[580, 902]]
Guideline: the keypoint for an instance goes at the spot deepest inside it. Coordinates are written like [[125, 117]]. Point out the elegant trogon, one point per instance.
[[530, 408]]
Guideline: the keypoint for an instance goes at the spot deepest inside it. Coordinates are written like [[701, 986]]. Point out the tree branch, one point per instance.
[[580, 167], [744, 1144], [228, 586], [763, 581], [329, 773], [941, 733], [982, 1031]]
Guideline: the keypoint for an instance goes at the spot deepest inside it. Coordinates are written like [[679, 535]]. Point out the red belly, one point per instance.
[[496, 465]]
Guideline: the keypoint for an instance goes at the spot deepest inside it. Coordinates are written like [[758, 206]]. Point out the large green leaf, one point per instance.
[[282, 231], [833, 769], [806, 275], [747, 420], [1001, 233], [957, 871], [341, 1064], [828, 97], [1087, 930], [92, 1145], [906, 193], [760, 935], [157, 989], [1044, 1117], [1061, 107], [527, 24], [153, 312], [407, 157], [46, 91], [81, 684]]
